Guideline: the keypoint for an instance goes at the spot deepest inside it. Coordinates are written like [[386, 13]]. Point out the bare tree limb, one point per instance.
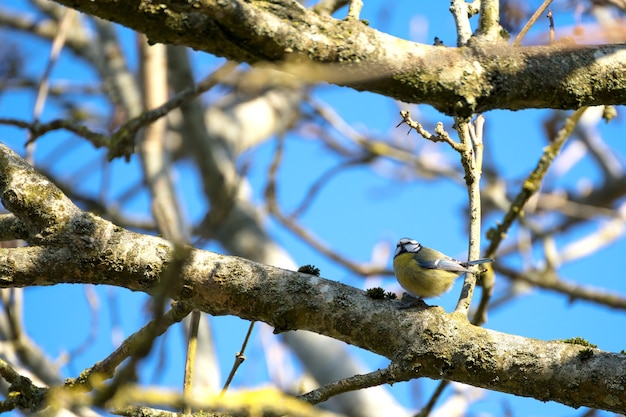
[[76, 247], [457, 81]]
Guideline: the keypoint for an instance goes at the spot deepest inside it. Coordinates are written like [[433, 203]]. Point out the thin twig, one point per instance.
[[239, 359], [440, 134], [37, 129], [531, 22], [374, 148], [551, 26], [353, 383], [428, 408], [323, 179]]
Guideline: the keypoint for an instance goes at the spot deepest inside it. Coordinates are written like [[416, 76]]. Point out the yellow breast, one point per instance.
[[421, 282]]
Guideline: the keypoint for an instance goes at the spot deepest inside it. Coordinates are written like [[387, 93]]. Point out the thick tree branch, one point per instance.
[[77, 247], [457, 81]]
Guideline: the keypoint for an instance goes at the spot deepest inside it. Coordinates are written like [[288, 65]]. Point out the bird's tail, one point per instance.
[[477, 262]]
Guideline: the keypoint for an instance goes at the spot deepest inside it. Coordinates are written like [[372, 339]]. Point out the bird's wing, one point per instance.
[[445, 264]]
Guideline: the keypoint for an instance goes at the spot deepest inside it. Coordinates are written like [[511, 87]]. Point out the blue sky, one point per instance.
[[357, 210]]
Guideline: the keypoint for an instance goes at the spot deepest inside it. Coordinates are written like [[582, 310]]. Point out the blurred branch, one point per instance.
[[578, 209], [609, 163], [532, 184], [122, 141], [37, 129], [377, 148], [106, 368], [22, 393], [605, 235], [55, 50], [317, 186], [548, 280], [156, 160], [252, 403], [290, 223]]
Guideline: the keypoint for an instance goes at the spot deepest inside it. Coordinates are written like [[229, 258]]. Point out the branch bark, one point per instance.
[[456, 81], [71, 246]]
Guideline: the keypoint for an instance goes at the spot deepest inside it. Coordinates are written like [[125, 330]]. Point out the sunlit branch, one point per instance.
[[355, 9], [460, 13], [471, 152], [488, 21]]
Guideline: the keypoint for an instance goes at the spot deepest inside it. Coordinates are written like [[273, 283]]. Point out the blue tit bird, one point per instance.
[[425, 272]]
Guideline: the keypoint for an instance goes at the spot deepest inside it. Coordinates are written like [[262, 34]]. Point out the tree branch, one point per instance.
[[77, 247], [456, 81]]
